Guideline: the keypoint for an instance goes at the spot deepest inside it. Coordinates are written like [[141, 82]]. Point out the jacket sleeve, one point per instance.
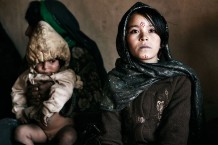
[[18, 94], [174, 125], [112, 128], [60, 92]]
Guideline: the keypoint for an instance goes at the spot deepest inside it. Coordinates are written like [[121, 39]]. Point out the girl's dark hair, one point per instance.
[[33, 15], [159, 23]]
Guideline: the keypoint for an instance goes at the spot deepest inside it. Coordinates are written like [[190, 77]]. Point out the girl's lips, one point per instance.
[[144, 46]]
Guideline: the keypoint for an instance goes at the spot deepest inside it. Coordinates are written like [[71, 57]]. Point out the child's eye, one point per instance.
[[52, 61], [40, 63]]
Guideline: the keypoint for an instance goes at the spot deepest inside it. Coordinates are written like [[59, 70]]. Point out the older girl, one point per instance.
[[150, 98]]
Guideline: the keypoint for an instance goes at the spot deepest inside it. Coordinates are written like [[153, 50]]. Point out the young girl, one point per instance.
[[48, 56], [150, 98]]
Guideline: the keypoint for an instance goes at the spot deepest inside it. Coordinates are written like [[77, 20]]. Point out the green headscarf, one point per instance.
[[49, 18]]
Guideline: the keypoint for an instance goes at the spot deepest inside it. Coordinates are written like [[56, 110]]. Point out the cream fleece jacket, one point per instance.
[[60, 92]]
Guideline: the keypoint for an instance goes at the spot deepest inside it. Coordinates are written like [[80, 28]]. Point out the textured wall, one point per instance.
[[192, 23]]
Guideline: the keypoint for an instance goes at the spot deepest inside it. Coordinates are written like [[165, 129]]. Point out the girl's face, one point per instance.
[[48, 67], [142, 39]]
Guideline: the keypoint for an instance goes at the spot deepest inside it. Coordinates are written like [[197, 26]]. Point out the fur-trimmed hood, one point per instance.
[[46, 44]]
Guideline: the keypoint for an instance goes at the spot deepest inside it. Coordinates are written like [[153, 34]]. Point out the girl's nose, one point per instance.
[[143, 36]]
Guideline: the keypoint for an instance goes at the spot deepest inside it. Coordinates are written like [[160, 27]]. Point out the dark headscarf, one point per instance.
[[130, 77], [62, 20]]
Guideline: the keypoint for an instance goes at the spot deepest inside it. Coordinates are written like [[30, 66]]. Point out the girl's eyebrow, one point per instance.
[[132, 26]]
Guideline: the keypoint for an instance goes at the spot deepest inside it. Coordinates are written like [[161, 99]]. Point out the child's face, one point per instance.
[[48, 67], [143, 41]]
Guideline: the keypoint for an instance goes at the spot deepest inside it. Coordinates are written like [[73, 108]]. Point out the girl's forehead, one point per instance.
[[138, 20], [142, 24]]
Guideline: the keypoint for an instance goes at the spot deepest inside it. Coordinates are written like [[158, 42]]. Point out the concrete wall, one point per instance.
[[193, 28]]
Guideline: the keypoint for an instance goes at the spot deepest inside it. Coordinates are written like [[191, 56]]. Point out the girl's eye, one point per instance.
[[133, 31], [152, 30]]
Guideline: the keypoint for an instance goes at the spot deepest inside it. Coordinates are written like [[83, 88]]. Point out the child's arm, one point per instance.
[[18, 95], [60, 92]]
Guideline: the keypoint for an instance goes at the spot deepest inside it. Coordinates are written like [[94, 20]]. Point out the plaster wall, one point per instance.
[[193, 26]]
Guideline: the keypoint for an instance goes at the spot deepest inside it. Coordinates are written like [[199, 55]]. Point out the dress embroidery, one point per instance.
[[160, 107], [140, 119]]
